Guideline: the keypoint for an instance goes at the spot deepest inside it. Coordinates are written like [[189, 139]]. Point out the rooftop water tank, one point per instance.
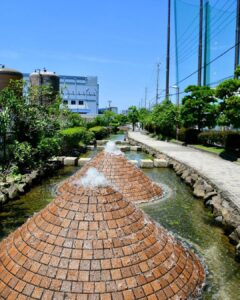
[[41, 78], [7, 74]]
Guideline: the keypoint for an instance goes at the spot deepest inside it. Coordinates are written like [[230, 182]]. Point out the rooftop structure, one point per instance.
[[91, 243], [44, 78], [7, 74]]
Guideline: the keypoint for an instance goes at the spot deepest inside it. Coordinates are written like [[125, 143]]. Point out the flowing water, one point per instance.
[[180, 212]]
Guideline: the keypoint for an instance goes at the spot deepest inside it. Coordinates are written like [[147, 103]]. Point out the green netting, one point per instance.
[[218, 35]]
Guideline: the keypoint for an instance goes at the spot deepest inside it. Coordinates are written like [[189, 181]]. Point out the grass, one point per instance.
[[211, 149]]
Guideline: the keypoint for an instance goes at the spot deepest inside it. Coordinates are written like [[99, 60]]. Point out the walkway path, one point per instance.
[[224, 174]]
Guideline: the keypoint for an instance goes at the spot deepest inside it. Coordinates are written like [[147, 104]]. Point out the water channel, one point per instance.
[[180, 212]]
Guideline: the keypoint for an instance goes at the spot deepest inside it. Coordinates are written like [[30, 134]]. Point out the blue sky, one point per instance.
[[120, 41]]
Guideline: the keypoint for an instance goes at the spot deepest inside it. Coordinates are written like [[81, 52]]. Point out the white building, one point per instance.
[[79, 93]]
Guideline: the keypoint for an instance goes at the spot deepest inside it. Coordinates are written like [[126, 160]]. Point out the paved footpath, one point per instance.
[[224, 174]]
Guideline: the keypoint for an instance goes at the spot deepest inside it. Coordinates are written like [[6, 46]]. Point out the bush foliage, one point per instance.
[[188, 135], [99, 132], [73, 137], [229, 140]]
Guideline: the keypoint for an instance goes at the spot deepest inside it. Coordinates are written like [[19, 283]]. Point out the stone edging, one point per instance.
[[224, 210], [13, 188]]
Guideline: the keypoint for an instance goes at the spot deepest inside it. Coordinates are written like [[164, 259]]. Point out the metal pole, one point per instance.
[[206, 44], [178, 96], [237, 38], [178, 107], [178, 111], [200, 44], [168, 50], [145, 104], [176, 41], [109, 104], [157, 88]]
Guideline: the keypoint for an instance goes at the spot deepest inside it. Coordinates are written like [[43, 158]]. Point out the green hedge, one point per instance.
[[74, 137], [99, 132], [229, 140], [188, 135]]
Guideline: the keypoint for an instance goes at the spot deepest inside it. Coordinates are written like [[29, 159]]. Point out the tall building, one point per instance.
[[80, 93]]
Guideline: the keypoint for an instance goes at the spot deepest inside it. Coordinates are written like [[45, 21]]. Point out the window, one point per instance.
[[73, 102], [65, 102], [80, 102]]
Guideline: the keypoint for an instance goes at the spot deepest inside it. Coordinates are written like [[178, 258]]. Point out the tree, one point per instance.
[[133, 116], [121, 119], [227, 88], [199, 108], [229, 109], [29, 131], [74, 120], [4, 130], [164, 118], [143, 114]]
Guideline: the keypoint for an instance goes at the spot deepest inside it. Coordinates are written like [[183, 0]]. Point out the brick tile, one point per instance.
[[66, 286], [37, 293], [128, 295]]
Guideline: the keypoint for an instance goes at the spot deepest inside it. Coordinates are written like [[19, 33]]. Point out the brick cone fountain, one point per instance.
[[91, 243], [127, 178]]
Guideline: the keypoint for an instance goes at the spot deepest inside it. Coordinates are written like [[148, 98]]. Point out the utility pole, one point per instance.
[[200, 44], [157, 85], [109, 104], [237, 38], [168, 49], [207, 44], [145, 99]]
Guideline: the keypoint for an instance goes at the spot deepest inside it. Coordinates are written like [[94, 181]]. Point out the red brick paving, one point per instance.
[[127, 178], [94, 244]]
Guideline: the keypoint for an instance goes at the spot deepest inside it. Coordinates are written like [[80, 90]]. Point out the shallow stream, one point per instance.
[[180, 212]]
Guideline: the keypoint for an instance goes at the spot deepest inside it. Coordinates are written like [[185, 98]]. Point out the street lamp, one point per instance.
[[176, 87]]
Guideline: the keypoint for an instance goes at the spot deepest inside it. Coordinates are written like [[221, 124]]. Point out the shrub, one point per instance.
[[233, 141], [73, 136], [49, 147], [99, 132], [229, 140], [188, 135], [214, 138], [23, 156]]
